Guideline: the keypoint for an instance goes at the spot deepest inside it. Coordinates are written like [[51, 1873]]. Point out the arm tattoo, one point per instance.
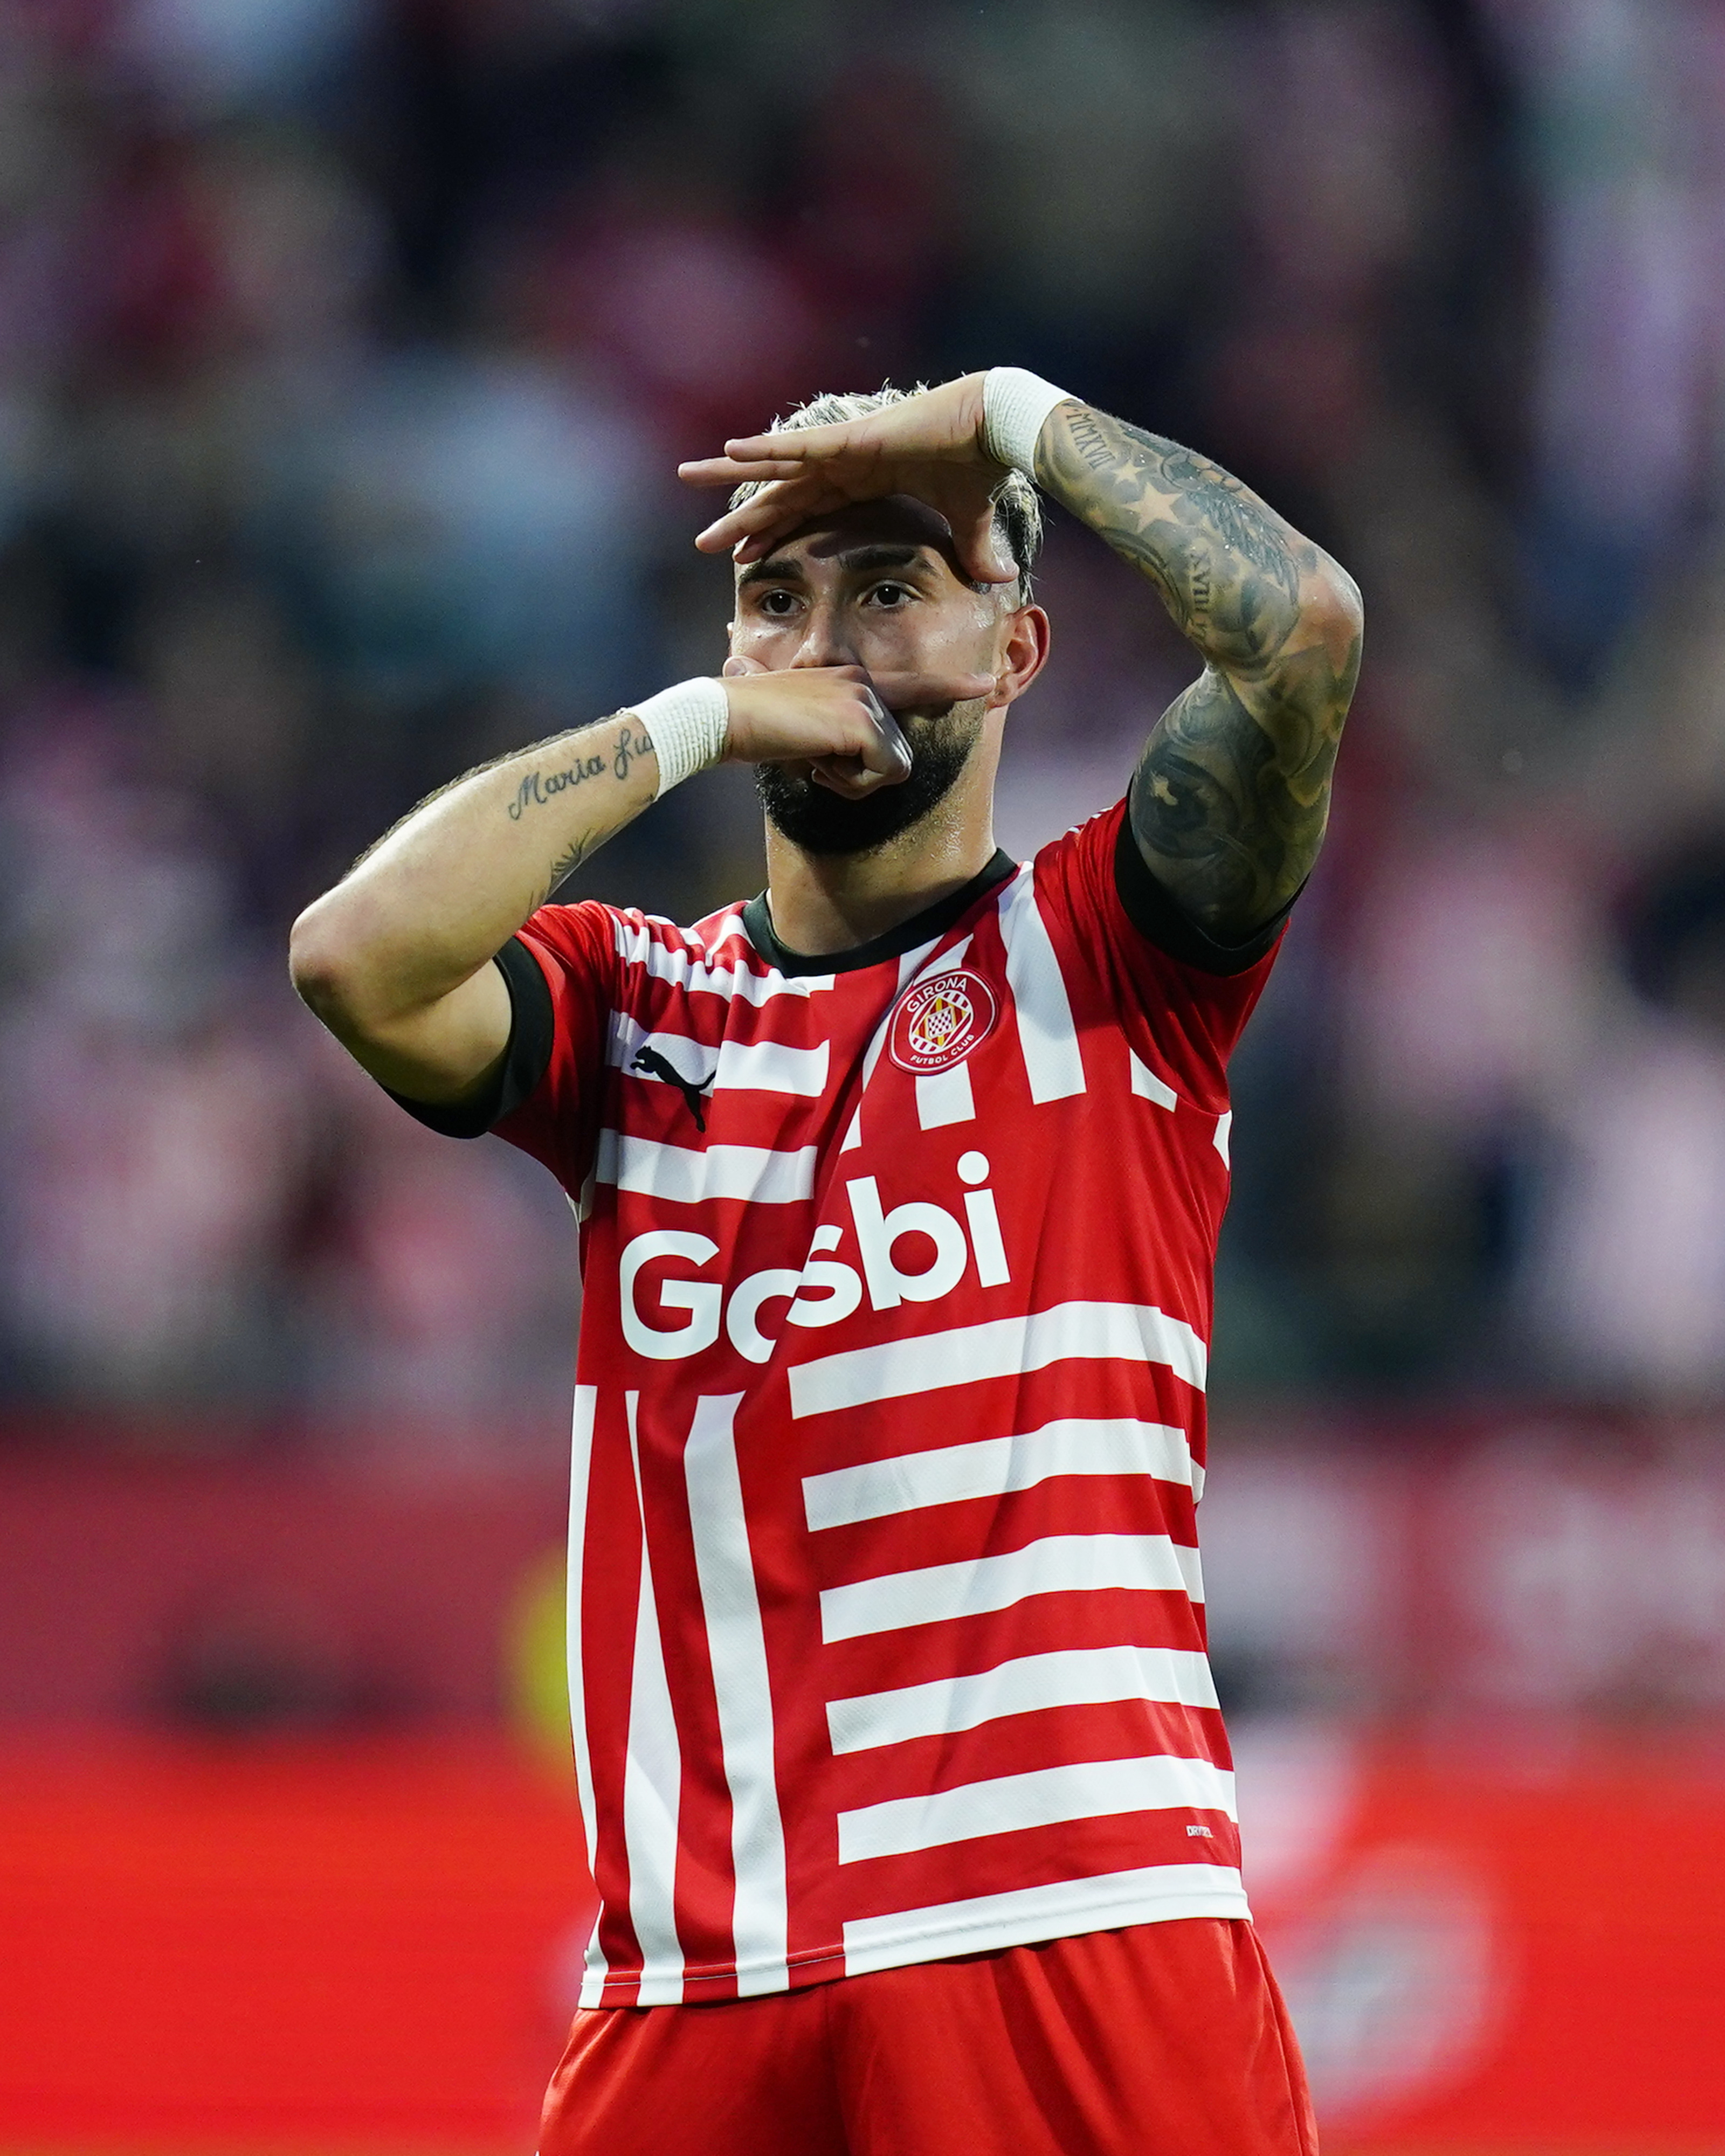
[[564, 867], [540, 785], [1230, 797]]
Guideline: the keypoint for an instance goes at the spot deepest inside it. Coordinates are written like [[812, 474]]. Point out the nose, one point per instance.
[[826, 642]]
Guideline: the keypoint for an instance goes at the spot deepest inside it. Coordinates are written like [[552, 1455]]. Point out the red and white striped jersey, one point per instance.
[[887, 1631]]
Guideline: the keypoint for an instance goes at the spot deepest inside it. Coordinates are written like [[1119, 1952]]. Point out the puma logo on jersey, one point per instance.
[[652, 1065]]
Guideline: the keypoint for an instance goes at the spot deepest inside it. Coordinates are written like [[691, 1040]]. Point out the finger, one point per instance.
[[757, 524], [732, 471], [753, 542], [804, 444], [888, 755], [735, 666], [780, 455], [840, 774], [846, 775], [784, 497], [913, 692], [977, 543]]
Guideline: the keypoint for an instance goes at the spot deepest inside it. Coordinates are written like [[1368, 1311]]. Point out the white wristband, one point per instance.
[[1015, 405], [688, 727]]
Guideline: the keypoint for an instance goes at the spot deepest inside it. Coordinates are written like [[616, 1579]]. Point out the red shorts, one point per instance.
[[1164, 2040]]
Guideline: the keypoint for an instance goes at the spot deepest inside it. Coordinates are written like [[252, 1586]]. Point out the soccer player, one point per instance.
[[905, 1790]]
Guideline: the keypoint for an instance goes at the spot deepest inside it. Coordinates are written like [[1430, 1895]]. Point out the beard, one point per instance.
[[820, 821]]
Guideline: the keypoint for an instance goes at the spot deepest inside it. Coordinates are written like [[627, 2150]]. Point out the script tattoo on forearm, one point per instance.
[[539, 786], [1230, 797]]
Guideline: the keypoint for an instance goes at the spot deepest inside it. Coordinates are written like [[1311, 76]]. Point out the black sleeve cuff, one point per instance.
[[1159, 921], [531, 1028]]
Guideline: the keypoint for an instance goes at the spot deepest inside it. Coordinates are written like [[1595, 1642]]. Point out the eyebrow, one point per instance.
[[778, 569], [784, 568], [879, 555]]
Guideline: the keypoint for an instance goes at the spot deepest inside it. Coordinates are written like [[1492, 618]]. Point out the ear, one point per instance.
[[1026, 653]]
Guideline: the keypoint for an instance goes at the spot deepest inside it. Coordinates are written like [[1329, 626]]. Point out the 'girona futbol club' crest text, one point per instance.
[[940, 1021]]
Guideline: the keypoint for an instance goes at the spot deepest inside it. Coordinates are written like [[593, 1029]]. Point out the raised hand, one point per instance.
[[836, 720], [931, 446]]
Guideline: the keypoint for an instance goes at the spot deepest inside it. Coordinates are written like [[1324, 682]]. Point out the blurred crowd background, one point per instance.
[[346, 349]]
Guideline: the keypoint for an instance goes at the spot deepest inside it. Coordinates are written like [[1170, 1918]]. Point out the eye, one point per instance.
[[779, 603], [891, 596]]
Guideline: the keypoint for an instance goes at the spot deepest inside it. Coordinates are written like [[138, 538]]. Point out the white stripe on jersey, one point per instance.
[[1224, 1124], [743, 1066], [948, 961], [1148, 1086], [1070, 1677], [769, 1067], [639, 946], [1047, 1037], [991, 1467], [742, 1694], [943, 1097], [985, 1923], [1056, 1564], [999, 1347], [1047, 1796], [652, 1784], [687, 1178], [913, 963], [580, 1466], [909, 966]]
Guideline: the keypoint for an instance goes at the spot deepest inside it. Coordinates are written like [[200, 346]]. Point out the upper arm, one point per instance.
[[529, 1032], [444, 1051], [1231, 796], [1229, 800]]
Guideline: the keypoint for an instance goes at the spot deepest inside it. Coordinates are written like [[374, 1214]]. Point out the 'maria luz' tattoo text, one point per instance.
[[539, 786]]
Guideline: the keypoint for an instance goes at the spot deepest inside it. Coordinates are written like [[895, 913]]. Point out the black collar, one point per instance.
[[920, 928]]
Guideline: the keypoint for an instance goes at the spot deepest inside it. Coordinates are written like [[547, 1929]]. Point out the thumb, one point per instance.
[[735, 668], [983, 554]]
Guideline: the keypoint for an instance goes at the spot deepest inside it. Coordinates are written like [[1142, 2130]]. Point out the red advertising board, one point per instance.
[[296, 1947], [1499, 1937], [1509, 1941], [1485, 1825]]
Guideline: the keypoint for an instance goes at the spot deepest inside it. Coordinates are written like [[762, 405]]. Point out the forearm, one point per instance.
[[432, 902], [1232, 794], [1240, 581]]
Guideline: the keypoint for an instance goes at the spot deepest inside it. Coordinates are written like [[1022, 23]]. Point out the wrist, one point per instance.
[[688, 725], [1015, 408]]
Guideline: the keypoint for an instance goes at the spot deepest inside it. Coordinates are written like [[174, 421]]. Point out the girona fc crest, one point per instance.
[[940, 1021]]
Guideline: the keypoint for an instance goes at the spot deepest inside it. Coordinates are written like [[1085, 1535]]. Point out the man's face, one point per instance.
[[876, 585]]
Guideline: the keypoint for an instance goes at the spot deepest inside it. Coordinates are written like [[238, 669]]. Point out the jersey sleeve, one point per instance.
[[545, 1098], [1181, 998], [557, 1120]]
